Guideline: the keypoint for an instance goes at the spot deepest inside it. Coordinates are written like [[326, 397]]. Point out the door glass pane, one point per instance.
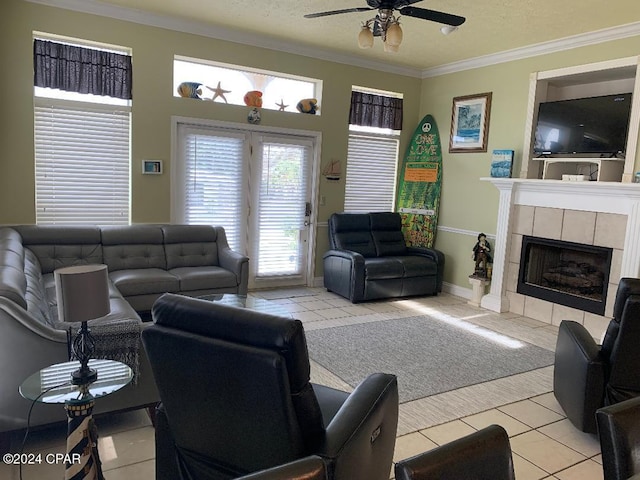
[[282, 200], [213, 181]]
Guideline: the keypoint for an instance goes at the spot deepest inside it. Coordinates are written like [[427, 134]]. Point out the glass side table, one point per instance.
[[53, 385]]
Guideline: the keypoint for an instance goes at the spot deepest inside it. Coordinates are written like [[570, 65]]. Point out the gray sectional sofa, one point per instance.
[[144, 261]]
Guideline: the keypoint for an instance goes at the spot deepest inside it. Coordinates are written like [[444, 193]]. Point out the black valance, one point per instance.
[[369, 110], [81, 70]]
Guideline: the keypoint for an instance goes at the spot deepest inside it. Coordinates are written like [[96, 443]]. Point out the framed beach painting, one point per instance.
[[470, 123]]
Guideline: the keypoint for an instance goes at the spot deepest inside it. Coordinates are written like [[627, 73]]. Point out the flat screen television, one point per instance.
[[584, 125]]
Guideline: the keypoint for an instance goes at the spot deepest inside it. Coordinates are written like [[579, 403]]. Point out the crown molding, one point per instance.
[[544, 48], [96, 7]]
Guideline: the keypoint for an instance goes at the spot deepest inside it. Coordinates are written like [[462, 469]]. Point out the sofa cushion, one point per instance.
[[133, 247], [141, 281], [38, 304], [204, 278], [386, 230], [416, 266], [352, 231], [59, 246], [382, 268], [190, 245], [13, 282]]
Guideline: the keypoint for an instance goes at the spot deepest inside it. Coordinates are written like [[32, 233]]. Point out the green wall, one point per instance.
[[467, 203], [154, 104]]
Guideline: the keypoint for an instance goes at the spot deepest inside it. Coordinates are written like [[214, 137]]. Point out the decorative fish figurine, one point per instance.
[[253, 98], [190, 90], [308, 105]]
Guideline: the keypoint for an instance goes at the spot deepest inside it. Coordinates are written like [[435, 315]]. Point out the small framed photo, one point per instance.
[[152, 167], [470, 123]]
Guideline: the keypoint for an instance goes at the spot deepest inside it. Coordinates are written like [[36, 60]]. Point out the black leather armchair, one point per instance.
[[236, 398], [619, 432], [588, 376], [482, 455], [308, 468], [368, 259]]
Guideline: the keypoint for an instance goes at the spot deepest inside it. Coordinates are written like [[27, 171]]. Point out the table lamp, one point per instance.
[[82, 292]]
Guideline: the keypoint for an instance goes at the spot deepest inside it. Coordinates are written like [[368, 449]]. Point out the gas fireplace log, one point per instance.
[[584, 282]]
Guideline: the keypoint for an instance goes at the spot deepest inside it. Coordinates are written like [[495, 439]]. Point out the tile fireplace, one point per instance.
[[593, 214]]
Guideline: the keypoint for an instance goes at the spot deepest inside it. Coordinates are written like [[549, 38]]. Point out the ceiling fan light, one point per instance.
[[365, 37], [393, 36], [391, 48]]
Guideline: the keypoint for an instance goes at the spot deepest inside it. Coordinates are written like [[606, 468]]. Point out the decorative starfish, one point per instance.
[[281, 105], [219, 92]]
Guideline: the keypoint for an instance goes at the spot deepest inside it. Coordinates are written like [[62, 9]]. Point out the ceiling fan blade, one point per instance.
[[434, 16], [336, 12]]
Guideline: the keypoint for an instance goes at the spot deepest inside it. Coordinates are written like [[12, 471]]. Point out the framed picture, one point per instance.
[[152, 167], [470, 123]]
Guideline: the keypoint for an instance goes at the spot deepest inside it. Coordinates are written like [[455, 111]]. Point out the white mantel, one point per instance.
[[600, 197]]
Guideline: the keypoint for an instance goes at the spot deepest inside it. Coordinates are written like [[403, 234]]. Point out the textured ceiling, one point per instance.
[[492, 25]]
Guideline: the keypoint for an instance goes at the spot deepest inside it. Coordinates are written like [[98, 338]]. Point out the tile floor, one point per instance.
[[545, 445]]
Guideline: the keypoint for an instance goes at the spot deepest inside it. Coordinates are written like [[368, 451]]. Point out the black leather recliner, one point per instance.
[[308, 468], [588, 376], [619, 433], [236, 398], [482, 455], [368, 259]]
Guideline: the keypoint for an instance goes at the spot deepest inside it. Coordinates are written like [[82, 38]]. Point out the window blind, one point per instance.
[[82, 164], [371, 174], [286, 165], [211, 183]]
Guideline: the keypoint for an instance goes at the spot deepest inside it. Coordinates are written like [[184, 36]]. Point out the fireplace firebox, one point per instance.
[[566, 273]]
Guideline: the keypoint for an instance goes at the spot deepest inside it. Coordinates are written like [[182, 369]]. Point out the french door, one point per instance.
[[258, 186]]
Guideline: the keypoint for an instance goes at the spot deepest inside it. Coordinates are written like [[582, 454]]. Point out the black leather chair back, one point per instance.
[[620, 350], [351, 231], [234, 384], [619, 433], [386, 229], [482, 455]]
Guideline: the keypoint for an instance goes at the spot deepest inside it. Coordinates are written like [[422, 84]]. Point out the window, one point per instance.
[[210, 189], [277, 89], [372, 156], [371, 173], [82, 140]]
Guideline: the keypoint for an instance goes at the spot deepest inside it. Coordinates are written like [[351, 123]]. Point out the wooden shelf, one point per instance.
[[604, 169]]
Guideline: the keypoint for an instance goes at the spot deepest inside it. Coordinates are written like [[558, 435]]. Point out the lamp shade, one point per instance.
[[393, 37], [82, 292], [365, 37]]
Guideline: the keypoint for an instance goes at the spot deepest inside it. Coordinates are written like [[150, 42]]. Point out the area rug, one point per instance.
[[429, 356]]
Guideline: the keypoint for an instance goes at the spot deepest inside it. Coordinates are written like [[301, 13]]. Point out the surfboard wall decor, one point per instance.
[[419, 185]]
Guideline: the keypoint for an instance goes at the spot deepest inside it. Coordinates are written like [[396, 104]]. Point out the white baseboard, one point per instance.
[[456, 290]]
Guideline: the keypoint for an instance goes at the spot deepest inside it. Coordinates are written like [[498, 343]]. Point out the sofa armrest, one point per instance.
[[233, 261], [238, 264], [434, 254], [361, 437], [344, 274], [578, 375], [307, 468]]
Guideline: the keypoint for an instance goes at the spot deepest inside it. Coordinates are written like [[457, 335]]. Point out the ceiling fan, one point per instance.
[[385, 24]]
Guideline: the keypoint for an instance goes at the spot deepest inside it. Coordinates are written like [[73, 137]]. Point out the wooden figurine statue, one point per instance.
[[482, 256]]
